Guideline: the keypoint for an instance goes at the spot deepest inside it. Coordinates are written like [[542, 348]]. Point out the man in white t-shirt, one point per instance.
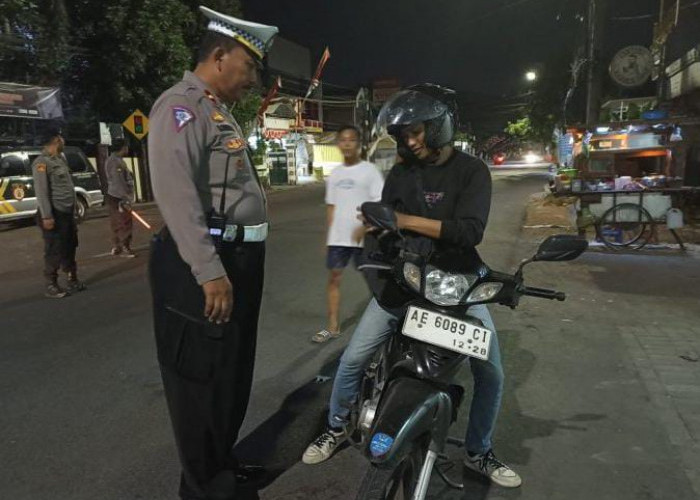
[[349, 186]]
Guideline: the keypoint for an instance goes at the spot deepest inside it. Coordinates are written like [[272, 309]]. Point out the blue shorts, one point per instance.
[[338, 257]]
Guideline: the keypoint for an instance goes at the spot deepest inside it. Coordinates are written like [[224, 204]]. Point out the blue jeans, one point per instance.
[[375, 326]]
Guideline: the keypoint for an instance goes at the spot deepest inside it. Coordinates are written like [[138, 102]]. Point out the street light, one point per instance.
[[531, 76]]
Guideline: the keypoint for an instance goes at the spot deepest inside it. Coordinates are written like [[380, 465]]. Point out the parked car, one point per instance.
[[17, 196]]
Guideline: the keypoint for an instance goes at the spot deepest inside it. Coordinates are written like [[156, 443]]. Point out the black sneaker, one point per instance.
[[489, 466], [76, 286], [53, 291], [128, 253]]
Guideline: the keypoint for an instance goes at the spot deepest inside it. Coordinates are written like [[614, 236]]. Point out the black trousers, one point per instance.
[[60, 244], [207, 369]]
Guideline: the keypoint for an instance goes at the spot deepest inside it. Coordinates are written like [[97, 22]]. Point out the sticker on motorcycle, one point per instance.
[[380, 444]]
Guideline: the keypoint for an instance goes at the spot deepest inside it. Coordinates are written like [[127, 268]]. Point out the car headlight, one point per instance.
[[411, 274], [484, 292], [532, 158], [445, 289]]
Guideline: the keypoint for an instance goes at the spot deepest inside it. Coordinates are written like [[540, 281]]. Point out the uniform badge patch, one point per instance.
[[235, 144], [41, 167], [182, 117], [217, 117]]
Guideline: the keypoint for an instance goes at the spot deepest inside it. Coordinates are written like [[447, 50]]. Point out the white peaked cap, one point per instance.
[[256, 37]]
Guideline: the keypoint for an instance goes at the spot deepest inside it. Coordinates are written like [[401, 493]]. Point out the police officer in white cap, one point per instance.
[[206, 266]]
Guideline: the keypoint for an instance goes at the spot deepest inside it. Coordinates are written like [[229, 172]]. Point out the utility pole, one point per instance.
[[668, 20], [597, 10]]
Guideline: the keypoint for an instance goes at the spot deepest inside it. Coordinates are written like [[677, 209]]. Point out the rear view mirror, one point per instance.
[[560, 247], [379, 215]]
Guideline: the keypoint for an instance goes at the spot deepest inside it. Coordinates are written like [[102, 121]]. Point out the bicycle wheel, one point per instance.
[[625, 225]]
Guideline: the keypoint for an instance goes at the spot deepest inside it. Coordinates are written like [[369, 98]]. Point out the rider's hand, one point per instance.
[[218, 294], [48, 224]]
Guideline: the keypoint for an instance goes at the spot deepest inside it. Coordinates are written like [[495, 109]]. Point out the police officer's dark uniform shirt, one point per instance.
[[192, 136], [120, 181], [53, 185], [458, 193]]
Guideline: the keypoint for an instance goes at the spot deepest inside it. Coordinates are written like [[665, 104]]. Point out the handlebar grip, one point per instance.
[[543, 293]]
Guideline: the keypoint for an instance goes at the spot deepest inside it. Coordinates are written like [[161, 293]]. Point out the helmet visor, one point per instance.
[[406, 108]]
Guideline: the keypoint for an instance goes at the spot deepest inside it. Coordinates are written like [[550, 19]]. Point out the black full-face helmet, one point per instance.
[[432, 105]]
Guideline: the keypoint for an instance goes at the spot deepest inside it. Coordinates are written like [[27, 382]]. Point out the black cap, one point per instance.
[[47, 131]]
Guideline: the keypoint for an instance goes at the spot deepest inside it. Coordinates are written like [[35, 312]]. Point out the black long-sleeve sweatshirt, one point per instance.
[[457, 193]]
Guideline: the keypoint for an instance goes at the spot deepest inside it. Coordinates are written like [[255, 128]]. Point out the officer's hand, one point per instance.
[[218, 294], [48, 224]]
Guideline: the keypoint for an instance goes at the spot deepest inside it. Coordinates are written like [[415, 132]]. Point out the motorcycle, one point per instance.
[[407, 401]]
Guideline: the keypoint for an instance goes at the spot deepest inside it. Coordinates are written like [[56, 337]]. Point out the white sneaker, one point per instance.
[[323, 447], [489, 466]]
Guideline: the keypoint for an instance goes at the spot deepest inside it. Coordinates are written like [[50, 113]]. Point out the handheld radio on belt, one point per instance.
[[216, 221]]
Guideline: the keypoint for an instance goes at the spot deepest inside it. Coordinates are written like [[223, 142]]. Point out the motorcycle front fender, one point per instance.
[[409, 409]]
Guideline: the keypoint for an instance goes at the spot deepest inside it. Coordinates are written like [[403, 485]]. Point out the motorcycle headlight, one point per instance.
[[445, 289], [484, 292], [411, 274]]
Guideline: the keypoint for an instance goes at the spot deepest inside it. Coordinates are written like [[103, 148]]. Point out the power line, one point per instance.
[[497, 10], [652, 16]]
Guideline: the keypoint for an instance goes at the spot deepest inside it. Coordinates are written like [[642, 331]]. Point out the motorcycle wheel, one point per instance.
[[397, 483]]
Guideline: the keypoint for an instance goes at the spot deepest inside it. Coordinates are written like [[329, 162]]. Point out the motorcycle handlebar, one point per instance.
[[543, 293]]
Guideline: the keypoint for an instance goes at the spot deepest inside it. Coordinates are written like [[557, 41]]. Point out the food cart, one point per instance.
[[625, 182]]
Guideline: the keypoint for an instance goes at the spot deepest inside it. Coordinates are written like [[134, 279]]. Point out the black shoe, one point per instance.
[[128, 253], [75, 285], [246, 473], [53, 291]]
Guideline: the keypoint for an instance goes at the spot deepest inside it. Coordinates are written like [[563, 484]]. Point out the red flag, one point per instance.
[[319, 69], [268, 98]]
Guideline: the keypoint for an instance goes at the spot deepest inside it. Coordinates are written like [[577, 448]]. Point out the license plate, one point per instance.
[[445, 331]]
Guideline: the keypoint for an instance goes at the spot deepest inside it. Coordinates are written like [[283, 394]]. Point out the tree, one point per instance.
[[34, 41], [135, 49], [110, 57], [246, 111], [520, 129]]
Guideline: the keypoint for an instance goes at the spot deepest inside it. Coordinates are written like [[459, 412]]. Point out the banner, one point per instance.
[[316, 80], [28, 101]]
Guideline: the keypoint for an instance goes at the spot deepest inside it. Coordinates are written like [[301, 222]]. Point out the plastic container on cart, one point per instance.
[[622, 181], [674, 218], [657, 204]]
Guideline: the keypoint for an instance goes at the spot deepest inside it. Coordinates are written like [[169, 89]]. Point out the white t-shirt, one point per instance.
[[347, 188]]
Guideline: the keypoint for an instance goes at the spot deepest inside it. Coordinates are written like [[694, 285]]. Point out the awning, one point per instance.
[[29, 101]]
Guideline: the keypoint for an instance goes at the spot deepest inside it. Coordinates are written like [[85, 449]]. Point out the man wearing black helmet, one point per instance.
[[442, 199]]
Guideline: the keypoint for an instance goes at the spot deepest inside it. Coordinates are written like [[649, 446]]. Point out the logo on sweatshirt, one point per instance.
[[432, 198]]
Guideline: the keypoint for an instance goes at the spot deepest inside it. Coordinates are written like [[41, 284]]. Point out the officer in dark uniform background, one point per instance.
[[119, 197], [206, 265], [55, 196]]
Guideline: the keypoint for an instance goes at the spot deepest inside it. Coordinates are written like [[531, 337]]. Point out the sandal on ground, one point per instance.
[[324, 336]]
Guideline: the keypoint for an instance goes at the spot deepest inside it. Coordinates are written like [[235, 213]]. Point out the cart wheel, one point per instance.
[[625, 225]]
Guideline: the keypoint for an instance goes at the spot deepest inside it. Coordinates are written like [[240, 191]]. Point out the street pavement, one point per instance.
[[602, 397]]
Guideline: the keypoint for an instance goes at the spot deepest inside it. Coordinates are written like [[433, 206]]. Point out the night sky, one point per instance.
[[480, 46]]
